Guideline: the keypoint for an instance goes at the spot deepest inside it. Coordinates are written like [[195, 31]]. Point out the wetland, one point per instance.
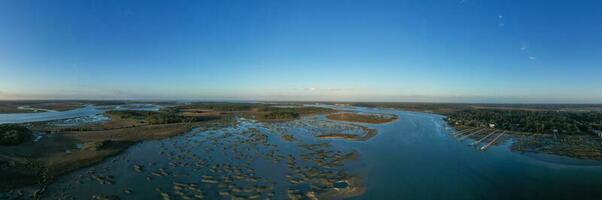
[[249, 151]]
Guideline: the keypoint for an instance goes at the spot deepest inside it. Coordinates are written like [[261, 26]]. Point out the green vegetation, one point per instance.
[[576, 146], [287, 113], [440, 108], [569, 119], [153, 117], [281, 116], [13, 134], [530, 121], [362, 118], [258, 111], [223, 107], [572, 130], [447, 108], [60, 152], [367, 134], [299, 110]]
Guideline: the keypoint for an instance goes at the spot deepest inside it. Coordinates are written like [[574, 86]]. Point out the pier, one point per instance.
[[465, 131], [480, 140], [476, 132], [483, 148]]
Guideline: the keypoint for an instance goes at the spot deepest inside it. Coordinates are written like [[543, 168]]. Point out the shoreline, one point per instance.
[[563, 161], [97, 145], [28, 171], [579, 147], [367, 118], [369, 134], [90, 144]]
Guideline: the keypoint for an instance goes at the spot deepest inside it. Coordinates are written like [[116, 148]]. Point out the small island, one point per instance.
[[39, 151], [362, 118], [368, 133], [569, 130]]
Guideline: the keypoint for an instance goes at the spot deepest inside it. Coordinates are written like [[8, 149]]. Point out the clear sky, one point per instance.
[[438, 51]]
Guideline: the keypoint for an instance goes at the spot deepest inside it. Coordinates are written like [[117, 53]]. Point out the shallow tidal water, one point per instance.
[[414, 157], [85, 111], [417, 158], [47, 116]]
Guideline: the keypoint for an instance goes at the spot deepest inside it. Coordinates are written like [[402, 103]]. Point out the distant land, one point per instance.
[[56, 138]]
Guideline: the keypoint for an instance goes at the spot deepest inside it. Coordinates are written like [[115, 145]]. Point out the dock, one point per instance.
[[464, 131], [483, 148], [480, 140], [476, 132]]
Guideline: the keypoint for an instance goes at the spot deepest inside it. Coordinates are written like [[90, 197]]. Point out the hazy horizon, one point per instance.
[[467, 51]]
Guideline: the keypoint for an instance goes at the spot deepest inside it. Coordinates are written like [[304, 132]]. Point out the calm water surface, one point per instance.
[[416, 158], [412, 158]]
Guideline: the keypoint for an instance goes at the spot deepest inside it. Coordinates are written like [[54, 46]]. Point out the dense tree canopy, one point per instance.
[[530, 121]]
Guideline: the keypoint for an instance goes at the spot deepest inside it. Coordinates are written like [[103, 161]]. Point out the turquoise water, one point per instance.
[[414, 157]]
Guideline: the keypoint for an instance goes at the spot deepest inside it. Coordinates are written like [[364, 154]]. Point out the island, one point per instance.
[[362, 117], [571, 130], [37, 152]]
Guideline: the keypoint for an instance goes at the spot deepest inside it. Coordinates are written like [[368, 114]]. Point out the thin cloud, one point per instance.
[[317, 90], [500, 21], [526, 52]]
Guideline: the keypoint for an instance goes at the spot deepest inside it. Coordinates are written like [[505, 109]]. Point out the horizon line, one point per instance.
[[295, 101]]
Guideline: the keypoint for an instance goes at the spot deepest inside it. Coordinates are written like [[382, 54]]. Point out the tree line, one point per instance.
[[153, 117], [531, 121]]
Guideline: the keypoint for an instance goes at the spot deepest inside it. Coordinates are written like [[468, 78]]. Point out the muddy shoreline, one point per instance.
[[63, 149], [97, 146], [581, 147], [362, 117]]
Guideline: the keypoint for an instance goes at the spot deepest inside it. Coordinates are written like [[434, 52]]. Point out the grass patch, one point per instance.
[[362, 118]]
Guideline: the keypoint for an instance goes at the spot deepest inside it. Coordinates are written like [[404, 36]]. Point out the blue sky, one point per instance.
[[438, 51]]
